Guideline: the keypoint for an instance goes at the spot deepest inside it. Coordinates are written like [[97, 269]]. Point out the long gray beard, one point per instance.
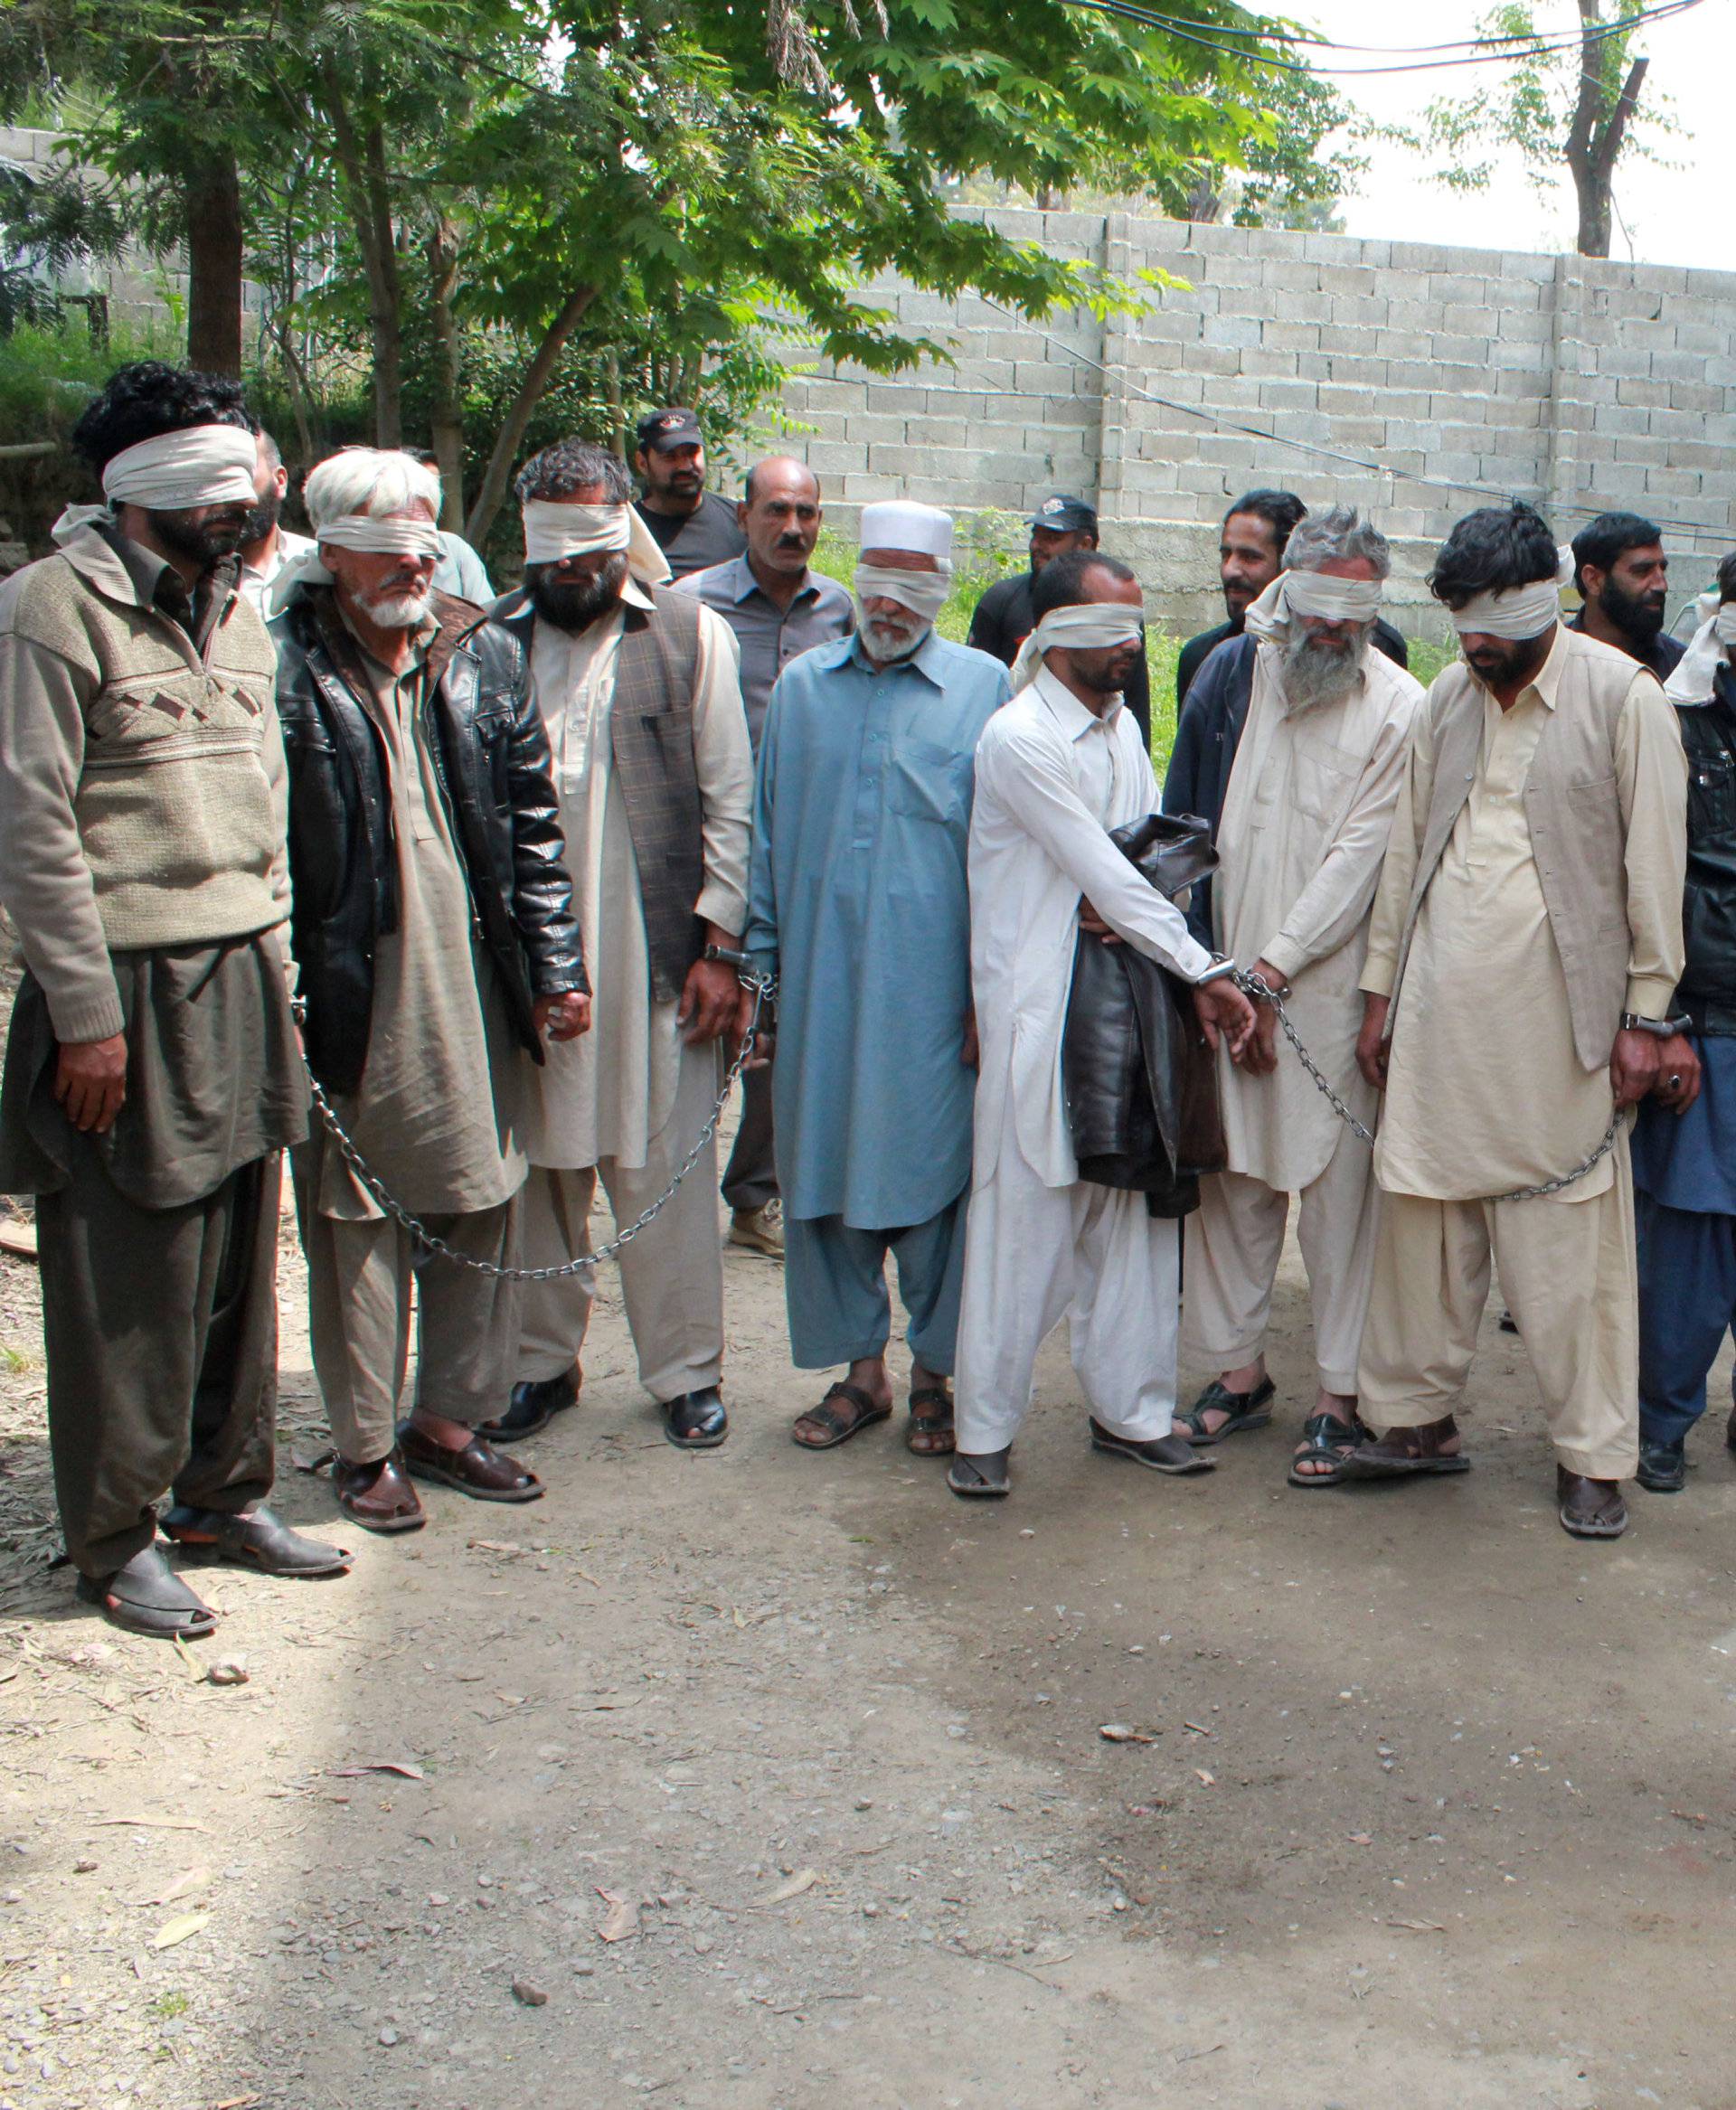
[[1315, 675]]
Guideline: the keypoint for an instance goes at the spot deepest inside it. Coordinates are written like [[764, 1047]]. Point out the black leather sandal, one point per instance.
[[259, 1538], [856, 1411], [1329, 1441], [1245, 1411], [934, 1427], [147, 1596]]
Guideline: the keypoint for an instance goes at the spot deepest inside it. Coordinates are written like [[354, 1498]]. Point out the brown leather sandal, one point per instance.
[[856, 1411], [478, 1470], [1402, 1452]]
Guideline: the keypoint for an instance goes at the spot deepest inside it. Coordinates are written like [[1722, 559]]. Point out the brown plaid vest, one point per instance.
[[652, 742]]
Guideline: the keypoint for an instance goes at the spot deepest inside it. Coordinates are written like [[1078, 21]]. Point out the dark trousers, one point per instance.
[[161, 1326], [1687, 1301], [750, 1177]]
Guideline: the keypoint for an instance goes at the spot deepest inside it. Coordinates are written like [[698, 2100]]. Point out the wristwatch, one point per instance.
[[1663, 1028]]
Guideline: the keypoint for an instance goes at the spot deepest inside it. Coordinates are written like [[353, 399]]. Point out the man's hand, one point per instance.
[[1088, 919], [1678, 1074], [563, 1017], [970, 1053], [1634, 1065], [90, 1082], [711, 1000], [1223, 1010], [1262, 1056], [1372, 1044]]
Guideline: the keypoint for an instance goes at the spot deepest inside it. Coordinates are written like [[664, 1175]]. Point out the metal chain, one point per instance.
[[764, 988], [1256, 988]]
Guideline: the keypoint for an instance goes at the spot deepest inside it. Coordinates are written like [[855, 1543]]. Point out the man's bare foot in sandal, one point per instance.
[[1235, 1401], [861, 1397], [1403, 1454], [930, 1435], [1329, 1435]]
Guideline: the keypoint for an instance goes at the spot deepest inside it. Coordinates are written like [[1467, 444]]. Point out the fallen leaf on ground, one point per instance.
[[156, 1823], [1204, 1778], [621, 1921], [227, 1671], [183, 1885], [805, 1880], [179, 1928], [238, 2103], [398, 1766], [1198, 1729], [492, 1546], [1119, 1732], [1418, 1926], [1362, 1837]]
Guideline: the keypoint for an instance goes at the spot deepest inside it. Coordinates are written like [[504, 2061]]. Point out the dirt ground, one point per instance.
[[1429, 1806]]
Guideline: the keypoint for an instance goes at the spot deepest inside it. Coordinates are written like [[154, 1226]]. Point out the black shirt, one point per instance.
[[1660, 654], [1004, 619], [1198, 650], [695, 540]]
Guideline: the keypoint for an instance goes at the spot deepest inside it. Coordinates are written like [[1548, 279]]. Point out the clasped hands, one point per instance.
[[1221, 1009]]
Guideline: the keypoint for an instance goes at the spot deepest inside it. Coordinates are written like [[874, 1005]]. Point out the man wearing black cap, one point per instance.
[[694, 527], [1004, 617]]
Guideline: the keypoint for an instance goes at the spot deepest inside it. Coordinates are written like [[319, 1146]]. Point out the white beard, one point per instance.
[[398, 611], [887, 643], [1316, 675]]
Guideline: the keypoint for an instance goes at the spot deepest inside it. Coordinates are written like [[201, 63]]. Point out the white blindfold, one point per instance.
[[206, 465], [1691, 679], [1087, 627], [1517, 611], [1320, 594], [553, 530], [923, 593], [386, 534]]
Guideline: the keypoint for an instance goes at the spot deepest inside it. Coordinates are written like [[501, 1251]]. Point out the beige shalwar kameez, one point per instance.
[[1304, 830], [627, 1100], [433, 1117], [1487, 1090]]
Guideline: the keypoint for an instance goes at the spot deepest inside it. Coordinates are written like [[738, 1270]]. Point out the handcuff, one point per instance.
[[1661, 1028]]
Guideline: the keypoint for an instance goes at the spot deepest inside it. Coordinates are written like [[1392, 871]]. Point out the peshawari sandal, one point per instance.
[[478, 1470], [258, 1538], [1162, 1453], [1245, 1411], [856, 1411], [1402, 1454], [1589, 1508], [147, 1596], [983, 1475]]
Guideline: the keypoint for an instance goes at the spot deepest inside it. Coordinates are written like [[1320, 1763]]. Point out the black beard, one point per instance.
[[261, 521], [209, 544], [1632, 617], [574, 605]]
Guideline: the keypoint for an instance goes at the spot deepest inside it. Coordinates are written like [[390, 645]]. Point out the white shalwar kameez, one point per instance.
[[1041, 1244], [1304, 830], [627, 1099]]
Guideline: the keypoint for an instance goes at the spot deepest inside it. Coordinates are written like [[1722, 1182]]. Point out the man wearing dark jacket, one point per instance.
[[1684, 1139], [1004, 617], [1256, 532], [433, 929], [1623, 579]]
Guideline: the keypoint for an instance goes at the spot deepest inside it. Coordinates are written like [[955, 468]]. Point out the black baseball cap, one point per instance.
[[659, 431], [1066, 514]]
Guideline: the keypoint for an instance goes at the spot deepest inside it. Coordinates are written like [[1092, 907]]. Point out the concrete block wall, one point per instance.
[[1563, 380]]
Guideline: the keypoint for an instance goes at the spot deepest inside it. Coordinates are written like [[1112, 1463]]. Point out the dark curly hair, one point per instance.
[[1061, 582], [150, 398], [1492, 551], [570, 466]]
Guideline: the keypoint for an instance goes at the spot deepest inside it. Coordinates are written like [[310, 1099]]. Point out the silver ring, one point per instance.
[[1673, 1082]]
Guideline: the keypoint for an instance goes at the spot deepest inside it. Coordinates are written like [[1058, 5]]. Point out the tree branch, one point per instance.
[[537, 375]]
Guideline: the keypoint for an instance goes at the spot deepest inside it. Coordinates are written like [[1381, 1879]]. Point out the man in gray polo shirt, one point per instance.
[[777, 609]]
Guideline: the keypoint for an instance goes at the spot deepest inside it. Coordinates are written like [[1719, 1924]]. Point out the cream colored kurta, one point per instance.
[[1305, 827], [1486, 1091], [433, 1115], [607, 1094]]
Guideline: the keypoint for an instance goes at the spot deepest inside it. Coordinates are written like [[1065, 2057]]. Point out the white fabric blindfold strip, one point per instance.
[[553, 530], [206, 465], [923, 593], [1691, 679], [1518, 611], [1085, 626], [1321, 594], [384, 534]]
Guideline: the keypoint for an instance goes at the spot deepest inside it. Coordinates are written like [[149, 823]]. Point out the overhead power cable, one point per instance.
[[1339, 455], [1546, 45]]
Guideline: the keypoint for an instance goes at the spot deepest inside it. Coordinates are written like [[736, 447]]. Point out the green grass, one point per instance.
[[979, 563]]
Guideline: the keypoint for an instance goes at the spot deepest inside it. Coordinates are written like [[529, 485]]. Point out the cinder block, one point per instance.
[[1301, 308], [1359, 311], [1672, 483], [1645, 454], [1392, 344], [1231, 329], [833, 457], [1287, 336], [1289, 395], [1702, 397]]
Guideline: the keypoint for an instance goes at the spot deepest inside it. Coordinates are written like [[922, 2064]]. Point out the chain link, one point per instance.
[[764, 988], [1256, 988]]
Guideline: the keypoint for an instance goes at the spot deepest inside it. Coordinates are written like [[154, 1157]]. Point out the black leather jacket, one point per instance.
[[1707, 991], [1140, 1083], [491, 753]]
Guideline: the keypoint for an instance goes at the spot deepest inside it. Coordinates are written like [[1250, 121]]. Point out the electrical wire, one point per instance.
[[1221, 423], [1312, 40], [1544, 46]]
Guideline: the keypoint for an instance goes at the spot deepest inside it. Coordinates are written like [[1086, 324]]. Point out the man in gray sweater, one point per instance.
[[152, 1074]]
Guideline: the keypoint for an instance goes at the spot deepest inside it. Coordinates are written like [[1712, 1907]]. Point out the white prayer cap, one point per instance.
[[900, 524]]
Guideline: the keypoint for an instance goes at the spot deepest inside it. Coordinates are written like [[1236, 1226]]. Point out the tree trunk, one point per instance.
[[536, 380], [612, 390], [215, 245], [362, 161], [447, 420], [1597, 135]]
